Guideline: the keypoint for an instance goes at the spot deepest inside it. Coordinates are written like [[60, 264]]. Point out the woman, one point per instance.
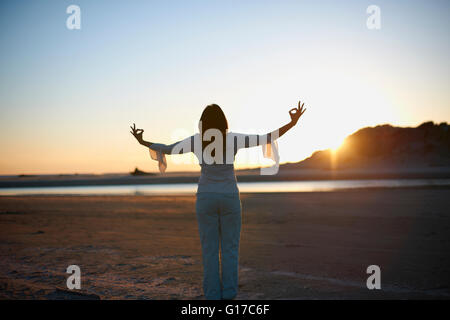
[[218, 204]]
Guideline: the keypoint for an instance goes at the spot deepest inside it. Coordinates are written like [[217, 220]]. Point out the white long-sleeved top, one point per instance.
[[216, 176]]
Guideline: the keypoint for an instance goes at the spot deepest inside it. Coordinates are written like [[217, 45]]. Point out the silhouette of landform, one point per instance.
[[386, 146]]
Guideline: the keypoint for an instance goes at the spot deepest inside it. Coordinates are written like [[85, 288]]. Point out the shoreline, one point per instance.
[[269, 193], [241, 175]]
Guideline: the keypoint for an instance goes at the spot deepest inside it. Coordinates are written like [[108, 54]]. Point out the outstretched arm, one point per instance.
[[137, 133], [183, 146], [251, 140], [295, 114]]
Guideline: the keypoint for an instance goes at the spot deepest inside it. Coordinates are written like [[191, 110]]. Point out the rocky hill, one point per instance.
[[386, 146]]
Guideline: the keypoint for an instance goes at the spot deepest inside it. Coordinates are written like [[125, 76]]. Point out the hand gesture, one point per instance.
[[296, 113], [137, 133]]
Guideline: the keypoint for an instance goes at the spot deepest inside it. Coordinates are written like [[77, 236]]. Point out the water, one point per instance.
[[244, 187]]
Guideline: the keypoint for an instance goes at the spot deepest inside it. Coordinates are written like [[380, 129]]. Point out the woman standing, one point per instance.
[[218, 204]]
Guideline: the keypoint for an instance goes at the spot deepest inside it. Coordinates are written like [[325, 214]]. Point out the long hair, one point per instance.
[[213, 118]]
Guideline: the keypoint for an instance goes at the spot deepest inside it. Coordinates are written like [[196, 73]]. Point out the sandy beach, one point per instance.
[[313, 245]]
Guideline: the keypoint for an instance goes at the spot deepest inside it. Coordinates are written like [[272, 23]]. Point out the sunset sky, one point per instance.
[[67, 97]]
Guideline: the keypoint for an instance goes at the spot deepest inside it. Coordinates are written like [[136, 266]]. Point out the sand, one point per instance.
[[293, 246]]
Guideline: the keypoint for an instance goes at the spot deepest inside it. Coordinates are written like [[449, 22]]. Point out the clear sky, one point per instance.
[[67, 97]]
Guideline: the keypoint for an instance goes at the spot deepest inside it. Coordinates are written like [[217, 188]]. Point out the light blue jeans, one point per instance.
[[219, 224]]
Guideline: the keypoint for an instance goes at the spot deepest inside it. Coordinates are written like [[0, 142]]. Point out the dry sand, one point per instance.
[[293, 246]]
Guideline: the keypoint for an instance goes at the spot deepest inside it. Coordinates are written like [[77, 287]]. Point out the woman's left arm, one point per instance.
[[253, 140], [295, 114]]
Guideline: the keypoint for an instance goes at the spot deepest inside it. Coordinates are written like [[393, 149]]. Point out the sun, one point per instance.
[[336, 144]]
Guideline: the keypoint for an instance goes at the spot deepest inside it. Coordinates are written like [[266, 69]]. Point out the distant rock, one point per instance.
[[138, 172], [26, 175], [386, 146]]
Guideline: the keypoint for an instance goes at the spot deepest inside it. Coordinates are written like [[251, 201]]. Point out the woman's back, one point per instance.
[[217, 175]]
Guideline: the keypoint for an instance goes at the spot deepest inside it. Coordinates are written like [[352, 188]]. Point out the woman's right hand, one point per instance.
[[137, 133]]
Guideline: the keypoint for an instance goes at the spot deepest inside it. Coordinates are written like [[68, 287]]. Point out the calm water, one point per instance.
[[244, 187]]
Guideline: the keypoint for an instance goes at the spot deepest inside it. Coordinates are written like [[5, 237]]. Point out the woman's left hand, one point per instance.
[[296, 113]]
